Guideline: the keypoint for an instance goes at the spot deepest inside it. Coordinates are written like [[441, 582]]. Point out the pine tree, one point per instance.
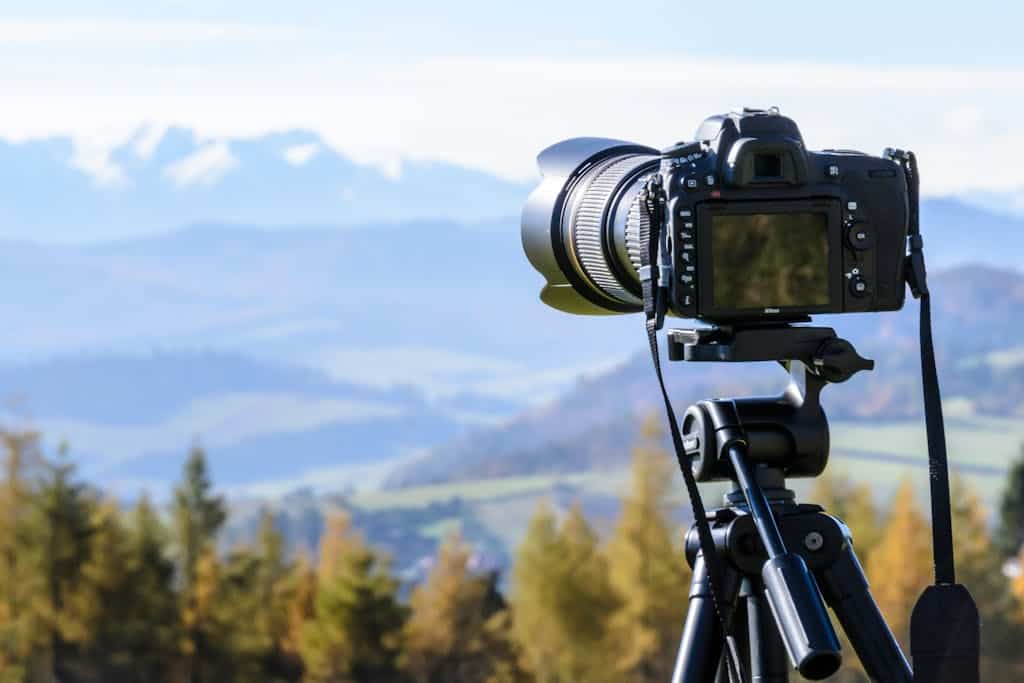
[[853, 503], [301, 608], [901, 566], [536, 627], [354, 636], [1011, 509], [65, 526], [562, 600], [198, 517], [238, 645], [505, 656], [979, 567], [22, 585], [649, 572], [443, 640], [151, 626], [272, 587]]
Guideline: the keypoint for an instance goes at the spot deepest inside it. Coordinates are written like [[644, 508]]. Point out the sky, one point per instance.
[[487, 85]]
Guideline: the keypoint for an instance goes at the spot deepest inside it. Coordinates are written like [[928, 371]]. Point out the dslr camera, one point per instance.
[[755, 227]]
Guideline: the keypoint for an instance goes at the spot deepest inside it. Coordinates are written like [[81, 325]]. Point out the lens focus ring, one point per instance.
[[637, 224], [588, 225]]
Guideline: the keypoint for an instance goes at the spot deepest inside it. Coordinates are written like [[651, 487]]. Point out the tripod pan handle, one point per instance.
[[801, 617]]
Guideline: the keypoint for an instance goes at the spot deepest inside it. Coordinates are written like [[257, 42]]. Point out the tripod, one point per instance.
[[781, 561]]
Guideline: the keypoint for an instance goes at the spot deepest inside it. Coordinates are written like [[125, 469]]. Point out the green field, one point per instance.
[[981, 449]]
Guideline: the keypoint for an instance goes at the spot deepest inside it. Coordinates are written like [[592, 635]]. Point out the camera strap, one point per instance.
[[945, 629], [938, 467], [655, 305]]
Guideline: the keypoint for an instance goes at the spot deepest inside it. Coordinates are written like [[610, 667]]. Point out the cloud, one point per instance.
[[93, 157], [495, 113], [205, 166], [300, 155]]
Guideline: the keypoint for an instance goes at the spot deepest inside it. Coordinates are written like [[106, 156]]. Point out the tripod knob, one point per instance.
[[837, 361]]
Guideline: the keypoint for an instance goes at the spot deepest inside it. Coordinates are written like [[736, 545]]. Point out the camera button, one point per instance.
[[859, 236], [691, 183], [709, 180], [859, 286]]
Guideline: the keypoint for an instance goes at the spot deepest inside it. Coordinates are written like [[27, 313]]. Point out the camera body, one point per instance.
[[756, 227]]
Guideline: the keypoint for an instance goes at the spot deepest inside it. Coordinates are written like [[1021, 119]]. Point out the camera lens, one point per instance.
[[577, 226]]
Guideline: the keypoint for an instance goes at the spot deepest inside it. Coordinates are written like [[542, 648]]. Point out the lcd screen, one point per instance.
[[769, 260]]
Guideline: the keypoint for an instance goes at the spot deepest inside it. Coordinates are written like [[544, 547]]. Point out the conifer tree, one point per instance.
[[22, 585], [272, 586], [443, 639], [151, 625], [355, 633], [562, 600], [301, 609], [649, 572], [64, 528], [536, 626], [854, 503], [1011, 509], [505, 656], [198, 517], [901, 566], [979, 567]]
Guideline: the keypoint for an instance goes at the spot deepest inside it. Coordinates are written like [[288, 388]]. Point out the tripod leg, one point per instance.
[[846, 590], [701, 647], [769, 662]]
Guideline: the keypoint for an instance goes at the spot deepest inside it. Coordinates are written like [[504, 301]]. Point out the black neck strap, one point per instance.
[[938, 466]]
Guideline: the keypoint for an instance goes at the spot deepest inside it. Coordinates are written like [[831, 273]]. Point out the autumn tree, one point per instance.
[[198, 517], [151, 617], [901, 566], [123, 603], [648, 569], [273, 586], [301, 607], [443, 639], [1011, 509], [854, 503], [562, 600], [64, 527], [22, 585], [979, 567], [355, 632]]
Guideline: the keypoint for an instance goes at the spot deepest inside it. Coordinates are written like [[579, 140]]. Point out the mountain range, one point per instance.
[[164, 179], [308, 335]]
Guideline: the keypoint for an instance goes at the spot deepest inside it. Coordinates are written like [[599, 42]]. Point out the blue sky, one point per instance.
[[486, 85]]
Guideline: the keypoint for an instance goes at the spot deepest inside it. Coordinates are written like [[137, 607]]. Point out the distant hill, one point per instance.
[[979, 320], [319, 315], [161, 180], [129, 420]]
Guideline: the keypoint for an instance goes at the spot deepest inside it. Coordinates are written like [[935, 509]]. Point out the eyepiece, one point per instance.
[[575, 224]]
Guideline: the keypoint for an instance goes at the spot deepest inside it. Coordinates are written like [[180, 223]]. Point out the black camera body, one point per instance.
[[756, 227]]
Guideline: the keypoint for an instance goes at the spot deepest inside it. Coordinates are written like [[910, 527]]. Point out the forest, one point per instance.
[[94, 590]]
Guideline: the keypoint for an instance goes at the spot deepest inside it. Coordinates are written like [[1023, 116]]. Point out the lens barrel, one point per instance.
[[580, 227]]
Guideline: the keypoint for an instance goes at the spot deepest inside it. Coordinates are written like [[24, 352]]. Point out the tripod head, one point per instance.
[[788, 432], [756, 442]]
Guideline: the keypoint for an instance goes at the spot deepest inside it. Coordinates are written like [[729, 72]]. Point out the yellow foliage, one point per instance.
[[648, 570], [901, 566]]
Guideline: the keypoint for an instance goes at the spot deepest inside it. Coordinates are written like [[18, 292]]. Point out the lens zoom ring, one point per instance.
[[588, 226]]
